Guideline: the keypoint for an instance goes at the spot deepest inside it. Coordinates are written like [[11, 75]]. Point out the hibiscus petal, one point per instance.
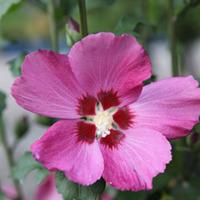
[[141, 155], [47, 85], [171, 106], [61, 149], [105, 62]]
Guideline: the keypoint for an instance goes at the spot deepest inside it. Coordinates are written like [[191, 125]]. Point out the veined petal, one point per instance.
[[47, 85], [171, 106], [105, 62], [140, 156], [61, 149]]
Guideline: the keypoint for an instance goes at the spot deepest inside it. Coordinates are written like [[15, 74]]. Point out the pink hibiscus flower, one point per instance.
[[47, 190], [9, 192], [106, 196], [111, 126]]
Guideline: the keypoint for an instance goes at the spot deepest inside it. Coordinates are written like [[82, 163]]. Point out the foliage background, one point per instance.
[[171, 26]]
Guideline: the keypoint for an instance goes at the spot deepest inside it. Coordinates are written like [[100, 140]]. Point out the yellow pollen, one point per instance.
[[103, 121]]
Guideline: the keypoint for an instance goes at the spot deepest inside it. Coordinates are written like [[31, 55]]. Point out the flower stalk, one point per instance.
[[98, 197], [83, 17], [176, 69], [10, 158], [52, 25]]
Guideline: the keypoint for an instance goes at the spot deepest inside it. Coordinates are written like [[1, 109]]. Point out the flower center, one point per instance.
[[103, 120]]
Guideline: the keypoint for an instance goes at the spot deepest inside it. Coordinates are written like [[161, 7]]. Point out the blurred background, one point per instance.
[[169, 31]]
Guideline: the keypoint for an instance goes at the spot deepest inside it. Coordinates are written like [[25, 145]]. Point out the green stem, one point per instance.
[[98, 197], [176, 70], [172, 24], [1, 191], [83, 17], [10, 158], [52, 24]]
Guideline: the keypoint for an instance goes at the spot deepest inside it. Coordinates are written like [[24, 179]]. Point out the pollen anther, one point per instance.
[[103, 120]]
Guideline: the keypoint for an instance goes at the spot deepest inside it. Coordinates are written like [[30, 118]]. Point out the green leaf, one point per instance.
[[150, 80], [21, 127], [161, 181], [167, 197], [197, 128], [139, 28], [5, 5], [126, 25], [144, 29], [2, 101], [1, 196], [45, 121], [15, 64], [132, 195], [2, 107], [41, 173], [73, 191], [24, 166], [186, 192], [66, 188]]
